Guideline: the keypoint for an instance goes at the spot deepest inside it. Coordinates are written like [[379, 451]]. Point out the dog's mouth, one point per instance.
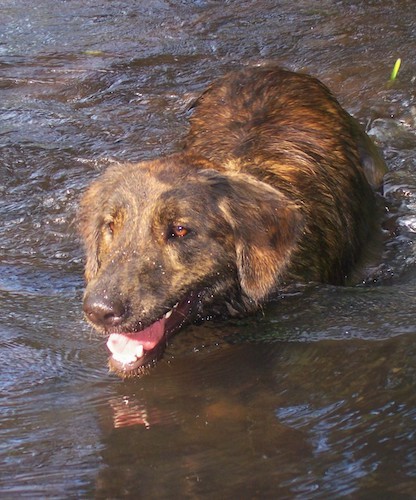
[[133, 352]]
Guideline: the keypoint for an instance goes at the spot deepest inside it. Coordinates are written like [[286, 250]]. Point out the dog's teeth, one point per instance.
[[168, 314], [139, 351], [125, 360], [176, 305]]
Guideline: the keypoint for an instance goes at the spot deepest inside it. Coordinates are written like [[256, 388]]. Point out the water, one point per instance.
[[313, 399]]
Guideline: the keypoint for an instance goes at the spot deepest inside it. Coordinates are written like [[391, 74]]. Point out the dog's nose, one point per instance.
[[104, 311]]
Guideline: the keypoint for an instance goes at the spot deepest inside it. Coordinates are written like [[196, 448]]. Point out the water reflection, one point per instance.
[[254, 422]]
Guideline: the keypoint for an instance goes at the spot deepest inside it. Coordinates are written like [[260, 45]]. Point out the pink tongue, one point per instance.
[[127, 345]]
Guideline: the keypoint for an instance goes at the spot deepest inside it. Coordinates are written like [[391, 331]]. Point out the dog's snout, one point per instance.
[[103, 311]]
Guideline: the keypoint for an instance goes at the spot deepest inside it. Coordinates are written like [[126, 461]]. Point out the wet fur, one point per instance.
[[274, 183]]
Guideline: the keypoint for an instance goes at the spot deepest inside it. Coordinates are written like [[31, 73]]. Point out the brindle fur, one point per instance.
[[273, 184]]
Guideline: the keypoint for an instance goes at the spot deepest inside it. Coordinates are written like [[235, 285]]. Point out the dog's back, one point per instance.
[[292, 118], [287, 130]]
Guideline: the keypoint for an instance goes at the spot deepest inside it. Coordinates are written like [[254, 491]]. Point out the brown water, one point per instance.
[[314, 399]]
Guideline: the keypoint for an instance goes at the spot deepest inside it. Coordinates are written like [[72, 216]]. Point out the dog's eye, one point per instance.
[[110, 227], [177, 232]]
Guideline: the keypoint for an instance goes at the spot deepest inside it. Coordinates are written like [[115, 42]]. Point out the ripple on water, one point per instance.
[[51, 383]]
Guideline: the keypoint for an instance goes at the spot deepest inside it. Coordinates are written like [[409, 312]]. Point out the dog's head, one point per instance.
[[169, 240]]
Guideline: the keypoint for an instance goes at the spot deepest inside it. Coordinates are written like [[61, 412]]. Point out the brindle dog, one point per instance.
[[275, 184]]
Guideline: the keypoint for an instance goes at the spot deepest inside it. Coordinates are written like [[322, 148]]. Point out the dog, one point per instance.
[[275, 184]]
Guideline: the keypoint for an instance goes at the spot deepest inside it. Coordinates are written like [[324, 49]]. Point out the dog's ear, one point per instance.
[[266, 226], [89, 227]]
